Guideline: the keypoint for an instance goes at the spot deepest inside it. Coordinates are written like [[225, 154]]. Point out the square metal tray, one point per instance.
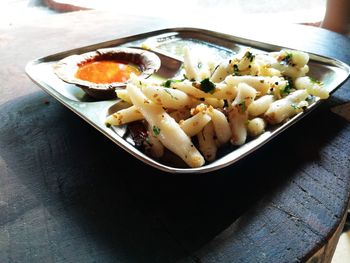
[[168, 43]]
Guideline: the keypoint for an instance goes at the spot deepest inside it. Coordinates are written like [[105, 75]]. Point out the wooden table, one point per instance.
[[67, 194]]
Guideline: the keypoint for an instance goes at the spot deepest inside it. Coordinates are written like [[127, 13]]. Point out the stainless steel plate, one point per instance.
[[168, 45]]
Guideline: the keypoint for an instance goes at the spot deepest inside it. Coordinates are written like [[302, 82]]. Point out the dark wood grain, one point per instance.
[[67, 194]]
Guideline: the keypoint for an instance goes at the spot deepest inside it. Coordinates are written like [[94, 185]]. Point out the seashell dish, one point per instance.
[[102, 71]]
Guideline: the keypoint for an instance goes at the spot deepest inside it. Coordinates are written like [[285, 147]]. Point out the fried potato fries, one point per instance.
[[214, 106]]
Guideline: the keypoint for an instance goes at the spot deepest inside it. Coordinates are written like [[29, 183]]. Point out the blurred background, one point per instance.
[[242, 12]]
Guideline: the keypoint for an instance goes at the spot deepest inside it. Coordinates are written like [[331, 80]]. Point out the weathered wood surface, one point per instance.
[[67, 194]]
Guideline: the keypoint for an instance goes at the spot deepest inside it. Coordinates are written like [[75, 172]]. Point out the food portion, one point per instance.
[[100, 72], [218, 104], [106, 71]]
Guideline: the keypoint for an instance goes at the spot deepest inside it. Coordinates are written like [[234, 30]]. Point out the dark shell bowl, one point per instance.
[[65, 69]]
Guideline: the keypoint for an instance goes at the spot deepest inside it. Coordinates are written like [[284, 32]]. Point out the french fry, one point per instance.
[[152, 145], [238, 114], [256, 126], [191, 89], [190, 65], [214, 102], [123, 95], [225, 91], [124, 116], [195, 124], [220, 124], [313, 87], [240, 96], [285, 108], [165, 128], [260, 105], [221, 71], [261, 84], [206, 141], [167, 97]]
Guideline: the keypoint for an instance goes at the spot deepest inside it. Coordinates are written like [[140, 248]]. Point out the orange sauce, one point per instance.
[[106, 71]]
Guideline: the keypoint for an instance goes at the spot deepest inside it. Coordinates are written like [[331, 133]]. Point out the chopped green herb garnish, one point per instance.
[[207, 85], [294, 106], [168, 83], [199, 65], [285, 90], [148, 141], [249, 56], [315, 81], [242, 106], [288, 59], [156, 130], [108, 125], [288, 88]]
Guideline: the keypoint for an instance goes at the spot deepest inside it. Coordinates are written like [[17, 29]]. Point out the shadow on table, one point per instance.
[[89, 200]]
